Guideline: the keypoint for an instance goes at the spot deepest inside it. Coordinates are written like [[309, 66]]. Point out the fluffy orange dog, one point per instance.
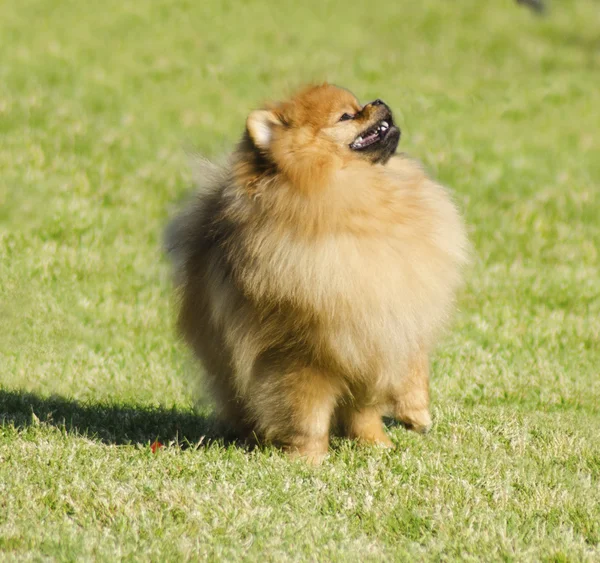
[[316, 270]]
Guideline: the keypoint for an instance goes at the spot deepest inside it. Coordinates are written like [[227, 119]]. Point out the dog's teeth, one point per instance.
[[385, 124]]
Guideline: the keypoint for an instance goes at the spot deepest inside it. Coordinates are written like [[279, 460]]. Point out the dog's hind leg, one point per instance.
[[364, 425], [411, 397]]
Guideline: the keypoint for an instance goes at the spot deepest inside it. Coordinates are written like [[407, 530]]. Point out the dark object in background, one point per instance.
[[538, 6]]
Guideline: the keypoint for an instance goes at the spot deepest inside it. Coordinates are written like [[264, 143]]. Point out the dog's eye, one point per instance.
[[346, 117]]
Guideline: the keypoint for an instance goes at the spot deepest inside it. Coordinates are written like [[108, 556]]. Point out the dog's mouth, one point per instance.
[[373, 135]]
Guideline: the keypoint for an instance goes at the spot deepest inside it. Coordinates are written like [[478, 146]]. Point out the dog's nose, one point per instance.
[[377, 102]]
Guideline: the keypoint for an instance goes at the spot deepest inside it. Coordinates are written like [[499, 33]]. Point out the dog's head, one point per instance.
[[323, 126]]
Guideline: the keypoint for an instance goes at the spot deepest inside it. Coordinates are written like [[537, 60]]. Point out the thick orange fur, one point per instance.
[[313, 280]]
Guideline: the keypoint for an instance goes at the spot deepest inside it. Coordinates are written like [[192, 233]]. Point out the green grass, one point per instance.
[[98, 102]]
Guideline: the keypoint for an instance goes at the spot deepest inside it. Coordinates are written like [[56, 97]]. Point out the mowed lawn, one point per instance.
[[99, 104]]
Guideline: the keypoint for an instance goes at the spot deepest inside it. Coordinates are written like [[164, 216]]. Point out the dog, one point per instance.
[[315, 270]]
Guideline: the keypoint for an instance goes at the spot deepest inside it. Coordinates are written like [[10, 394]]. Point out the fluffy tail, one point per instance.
[[175, 247], [182, 230]]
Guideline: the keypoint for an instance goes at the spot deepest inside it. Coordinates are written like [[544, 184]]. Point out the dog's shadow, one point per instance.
[[113, 423]]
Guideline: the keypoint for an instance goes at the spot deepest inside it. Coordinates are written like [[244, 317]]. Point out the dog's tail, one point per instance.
[[182, 231], [176, 247]]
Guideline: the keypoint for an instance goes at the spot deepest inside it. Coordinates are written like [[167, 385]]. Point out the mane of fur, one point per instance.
[[366, 269]]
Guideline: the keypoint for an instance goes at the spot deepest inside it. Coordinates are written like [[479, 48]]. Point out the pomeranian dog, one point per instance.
[[315, 271]]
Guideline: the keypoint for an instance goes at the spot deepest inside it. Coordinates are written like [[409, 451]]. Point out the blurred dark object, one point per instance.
[[538, 6]]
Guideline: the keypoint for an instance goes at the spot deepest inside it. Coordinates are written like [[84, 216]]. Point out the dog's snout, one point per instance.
[[375, 109]]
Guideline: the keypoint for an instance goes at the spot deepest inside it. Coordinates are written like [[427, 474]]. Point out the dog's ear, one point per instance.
[[261, 125]]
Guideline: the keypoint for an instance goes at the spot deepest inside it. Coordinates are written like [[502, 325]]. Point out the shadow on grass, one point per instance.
[[112, 423]]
